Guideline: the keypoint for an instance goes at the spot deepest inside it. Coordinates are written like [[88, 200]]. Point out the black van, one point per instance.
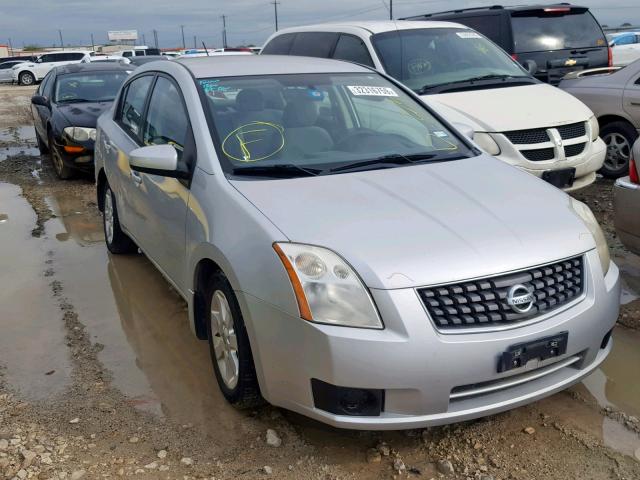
[[559, 38]]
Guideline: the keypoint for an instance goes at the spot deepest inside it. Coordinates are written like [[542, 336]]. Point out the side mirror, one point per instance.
[[155, 159], [466, 130], [530, 66], [40, 100]]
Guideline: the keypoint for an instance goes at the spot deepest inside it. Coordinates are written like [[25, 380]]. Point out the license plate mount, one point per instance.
[[518, 355], [562, 178]]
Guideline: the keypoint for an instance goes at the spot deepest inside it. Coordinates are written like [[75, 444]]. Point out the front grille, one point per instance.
[[573, 150], [538, 155], [573, 130], [483, 303], [524, 137]]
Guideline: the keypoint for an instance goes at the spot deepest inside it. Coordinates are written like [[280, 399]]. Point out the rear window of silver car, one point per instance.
[[322, 121]]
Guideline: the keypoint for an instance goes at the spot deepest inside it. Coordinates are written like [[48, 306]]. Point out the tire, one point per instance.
[[26, 78], [41, 145], [240, 388], [117, 241], [63, 171], [619, 138]]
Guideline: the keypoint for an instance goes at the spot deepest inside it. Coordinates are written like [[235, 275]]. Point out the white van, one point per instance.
[[139, 51], [469, 80], [28, 73]]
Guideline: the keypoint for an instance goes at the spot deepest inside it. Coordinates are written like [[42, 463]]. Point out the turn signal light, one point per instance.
[[633, 172], [73, 149]]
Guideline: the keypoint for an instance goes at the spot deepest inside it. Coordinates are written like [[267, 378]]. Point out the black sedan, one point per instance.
[[65, 110]]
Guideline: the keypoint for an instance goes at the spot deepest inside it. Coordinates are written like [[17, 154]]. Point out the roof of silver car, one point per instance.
[[371, 26], [243, 65]]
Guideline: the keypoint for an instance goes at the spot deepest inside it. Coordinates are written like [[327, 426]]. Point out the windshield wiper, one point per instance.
[[393, 159], [491, 76], [286, 170], [77, 100]]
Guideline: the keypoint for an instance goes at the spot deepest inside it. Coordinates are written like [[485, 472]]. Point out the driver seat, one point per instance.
[[301, 132]]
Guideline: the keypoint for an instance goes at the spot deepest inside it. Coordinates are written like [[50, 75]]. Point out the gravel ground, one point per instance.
[[88, 426]]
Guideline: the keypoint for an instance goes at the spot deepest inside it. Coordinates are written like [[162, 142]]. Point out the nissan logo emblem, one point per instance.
[[520, 298]]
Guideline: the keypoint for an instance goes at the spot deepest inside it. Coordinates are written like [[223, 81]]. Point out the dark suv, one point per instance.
[[559, 38]]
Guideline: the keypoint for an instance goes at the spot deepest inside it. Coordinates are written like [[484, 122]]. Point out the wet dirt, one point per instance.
[[124, 363]]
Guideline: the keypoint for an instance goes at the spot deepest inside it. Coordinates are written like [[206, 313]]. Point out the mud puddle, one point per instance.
[[22, 134], [8, 152], [32, 340]]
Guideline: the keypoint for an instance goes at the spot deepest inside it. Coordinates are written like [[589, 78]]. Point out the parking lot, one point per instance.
[[100, 375]]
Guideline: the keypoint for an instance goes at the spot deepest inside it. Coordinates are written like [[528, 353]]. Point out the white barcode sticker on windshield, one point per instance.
[[373, 91], [440, 133], [468, 34]]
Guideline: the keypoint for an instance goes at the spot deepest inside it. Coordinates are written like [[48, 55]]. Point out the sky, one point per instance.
[[248, 21]]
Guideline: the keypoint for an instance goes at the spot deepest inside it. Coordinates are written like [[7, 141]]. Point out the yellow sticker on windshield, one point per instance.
[[254, 141]]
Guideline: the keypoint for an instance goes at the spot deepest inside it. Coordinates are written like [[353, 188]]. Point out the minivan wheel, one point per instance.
[[229, 345], [117, 241], [26, 78], [619, 138]]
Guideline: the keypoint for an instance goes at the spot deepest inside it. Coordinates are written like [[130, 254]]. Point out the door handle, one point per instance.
[[635, 104], [137, 179]]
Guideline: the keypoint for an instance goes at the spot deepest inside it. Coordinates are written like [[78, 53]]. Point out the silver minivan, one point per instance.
[[347, 253]]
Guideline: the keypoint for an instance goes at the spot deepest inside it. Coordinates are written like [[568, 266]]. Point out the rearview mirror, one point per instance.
[[463, 128], [40, 100], [155, 159], [530, 66]]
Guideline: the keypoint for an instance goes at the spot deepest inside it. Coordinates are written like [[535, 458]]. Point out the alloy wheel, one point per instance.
[[26, 79], [618, 151], [57, 159], [225, 341]]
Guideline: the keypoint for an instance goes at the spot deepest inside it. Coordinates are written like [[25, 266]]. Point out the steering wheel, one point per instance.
[[354, 139]]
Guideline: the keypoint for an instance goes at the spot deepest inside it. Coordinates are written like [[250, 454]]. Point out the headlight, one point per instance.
[[592, 224], [594, 127], [326, 287], [486, 143], [80, 134]]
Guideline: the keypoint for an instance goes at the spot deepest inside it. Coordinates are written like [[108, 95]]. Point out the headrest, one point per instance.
[[250, 100], [300, 113]]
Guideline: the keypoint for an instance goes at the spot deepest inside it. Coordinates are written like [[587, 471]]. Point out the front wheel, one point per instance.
[[26, 78], [63, 171], [619, 138], [117, 241], [229, 345]]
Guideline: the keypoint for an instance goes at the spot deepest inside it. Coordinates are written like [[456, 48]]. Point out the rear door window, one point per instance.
[[314, 44], [537, 30], [280, 45], [132, 109], [75, 56], [352, 49]]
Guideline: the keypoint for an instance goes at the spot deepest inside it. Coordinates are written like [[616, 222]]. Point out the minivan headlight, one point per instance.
[[486, 143], [594, 127], [592, 224], [327, 289], [80, 134]]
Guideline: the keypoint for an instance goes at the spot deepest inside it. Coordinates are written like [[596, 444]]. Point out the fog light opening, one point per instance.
[[368, 402]]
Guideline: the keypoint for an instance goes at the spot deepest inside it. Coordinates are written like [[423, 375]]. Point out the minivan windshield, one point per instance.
[[309, 124], [427, 58], [88, 87], [539, 30]]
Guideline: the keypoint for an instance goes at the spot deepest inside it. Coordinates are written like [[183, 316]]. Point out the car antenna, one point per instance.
[[205, 48]]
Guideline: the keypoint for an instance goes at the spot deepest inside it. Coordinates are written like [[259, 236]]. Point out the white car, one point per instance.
[[468, 80], [28, 73], [625, 47]]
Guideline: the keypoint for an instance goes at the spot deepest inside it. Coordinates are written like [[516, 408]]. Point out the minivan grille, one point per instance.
[[524, 137], [538, 155], [573, 130], [573, 150], [483, 303]]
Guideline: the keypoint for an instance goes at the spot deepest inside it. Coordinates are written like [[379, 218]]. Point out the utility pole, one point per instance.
[[390, 9], [10, 48], [144, 39], [224, 31], [61, 42], [195, 42], [184, 45], [93, 45], [275, 9], [155, 37]]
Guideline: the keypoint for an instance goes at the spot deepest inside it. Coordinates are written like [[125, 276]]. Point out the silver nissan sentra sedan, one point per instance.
[[349, 254]]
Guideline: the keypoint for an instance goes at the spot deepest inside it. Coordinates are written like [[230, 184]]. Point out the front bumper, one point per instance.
[[626, 204], [83, 160], [418, 367]]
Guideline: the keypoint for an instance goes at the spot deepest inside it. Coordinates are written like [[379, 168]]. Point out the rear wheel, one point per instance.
[[63, 171], [26, 78], [619, 138], [117, 241], [229, 345]]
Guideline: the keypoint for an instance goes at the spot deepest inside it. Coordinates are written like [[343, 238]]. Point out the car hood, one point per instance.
[[510, 108], [426, 224], [83, 114]]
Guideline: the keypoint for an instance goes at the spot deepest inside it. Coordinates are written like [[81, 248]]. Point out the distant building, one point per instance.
[[4, 51]]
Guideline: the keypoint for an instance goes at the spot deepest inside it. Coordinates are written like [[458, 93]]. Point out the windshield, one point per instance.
[[88, 87], [435, 56], [314, 123], [538, 30]]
